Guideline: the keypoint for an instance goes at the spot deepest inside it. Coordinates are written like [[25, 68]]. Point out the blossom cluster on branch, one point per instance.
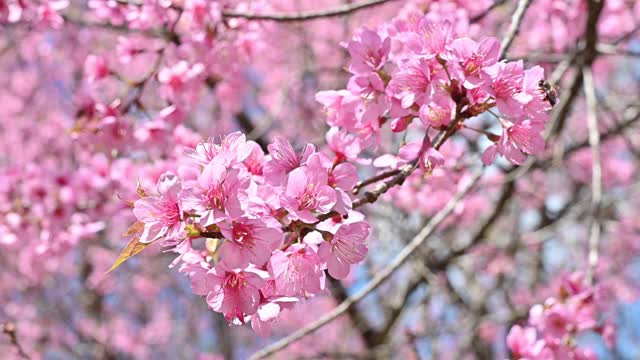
[[275, 222], [554, 325], [104, 105]]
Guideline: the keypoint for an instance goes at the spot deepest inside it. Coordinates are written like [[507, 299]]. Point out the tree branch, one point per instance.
[[304, 16], [516, 21], [378, 279], [486, 12], [596, 173], [10, 330]]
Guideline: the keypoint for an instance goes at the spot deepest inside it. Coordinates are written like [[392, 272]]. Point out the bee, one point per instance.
[[550, 92]]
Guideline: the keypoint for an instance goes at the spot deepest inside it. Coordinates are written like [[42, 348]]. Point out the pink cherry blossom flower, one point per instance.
[[234, 293], [368, 52], [96, 68], [345, 249], [472, 57], [531, 97], [557, 322], [340, 108], [524, 344], [231, 150], [297, 271], [256, 159], [344, 176], [412, 84], [218, 195], [437, 112], [308, 193], [524, 137], [247, 241], [346, 146], [284, 159], [268, 313], [431, 37], [161, 215], [48, 13], [182, 82], [503, 81], [368, 85]]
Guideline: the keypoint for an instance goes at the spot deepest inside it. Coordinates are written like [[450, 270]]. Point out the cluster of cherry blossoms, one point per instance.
[[274, 223], [426, 69], [554, 325], [41, 13]]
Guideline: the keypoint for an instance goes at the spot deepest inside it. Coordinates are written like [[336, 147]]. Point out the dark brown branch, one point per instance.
[[407, 169], [247, 126], [514, 27], [10, 330], [393, 314], [374, 179], [224, 336], [381, 277], [480, 233], [486, 12], [359, 321], [304, 16]]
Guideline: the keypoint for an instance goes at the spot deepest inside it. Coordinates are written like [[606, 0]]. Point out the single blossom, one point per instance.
[[503, 81], [524, 137], [346, 248], [297, 271], [162, 214], [342, 108], [368, 52], [438, 111], [524, 344], [412, 84], [96, 68], [247, 241], [472, 57], [307, 193], [219, 194], [181, 82], [284, 159], [232, 149], [234, 293], [346, 146]]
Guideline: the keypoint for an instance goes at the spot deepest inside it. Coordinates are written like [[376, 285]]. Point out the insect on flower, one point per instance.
[[550, 92]]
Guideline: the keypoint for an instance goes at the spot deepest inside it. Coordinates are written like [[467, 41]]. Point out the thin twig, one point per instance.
[[304, 16], [596, 173], [10, 330], [487, 11], [374, 179], [378, 279], [407, 169], [516, 21]]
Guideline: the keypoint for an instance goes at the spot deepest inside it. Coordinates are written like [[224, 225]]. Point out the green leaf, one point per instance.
[[133, 248]]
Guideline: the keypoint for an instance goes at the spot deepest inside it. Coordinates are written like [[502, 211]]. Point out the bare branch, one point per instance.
[[596, 170], [378, 279], [516, 21], [406, 170], [304, 16], [486, 12], [10, 330]]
